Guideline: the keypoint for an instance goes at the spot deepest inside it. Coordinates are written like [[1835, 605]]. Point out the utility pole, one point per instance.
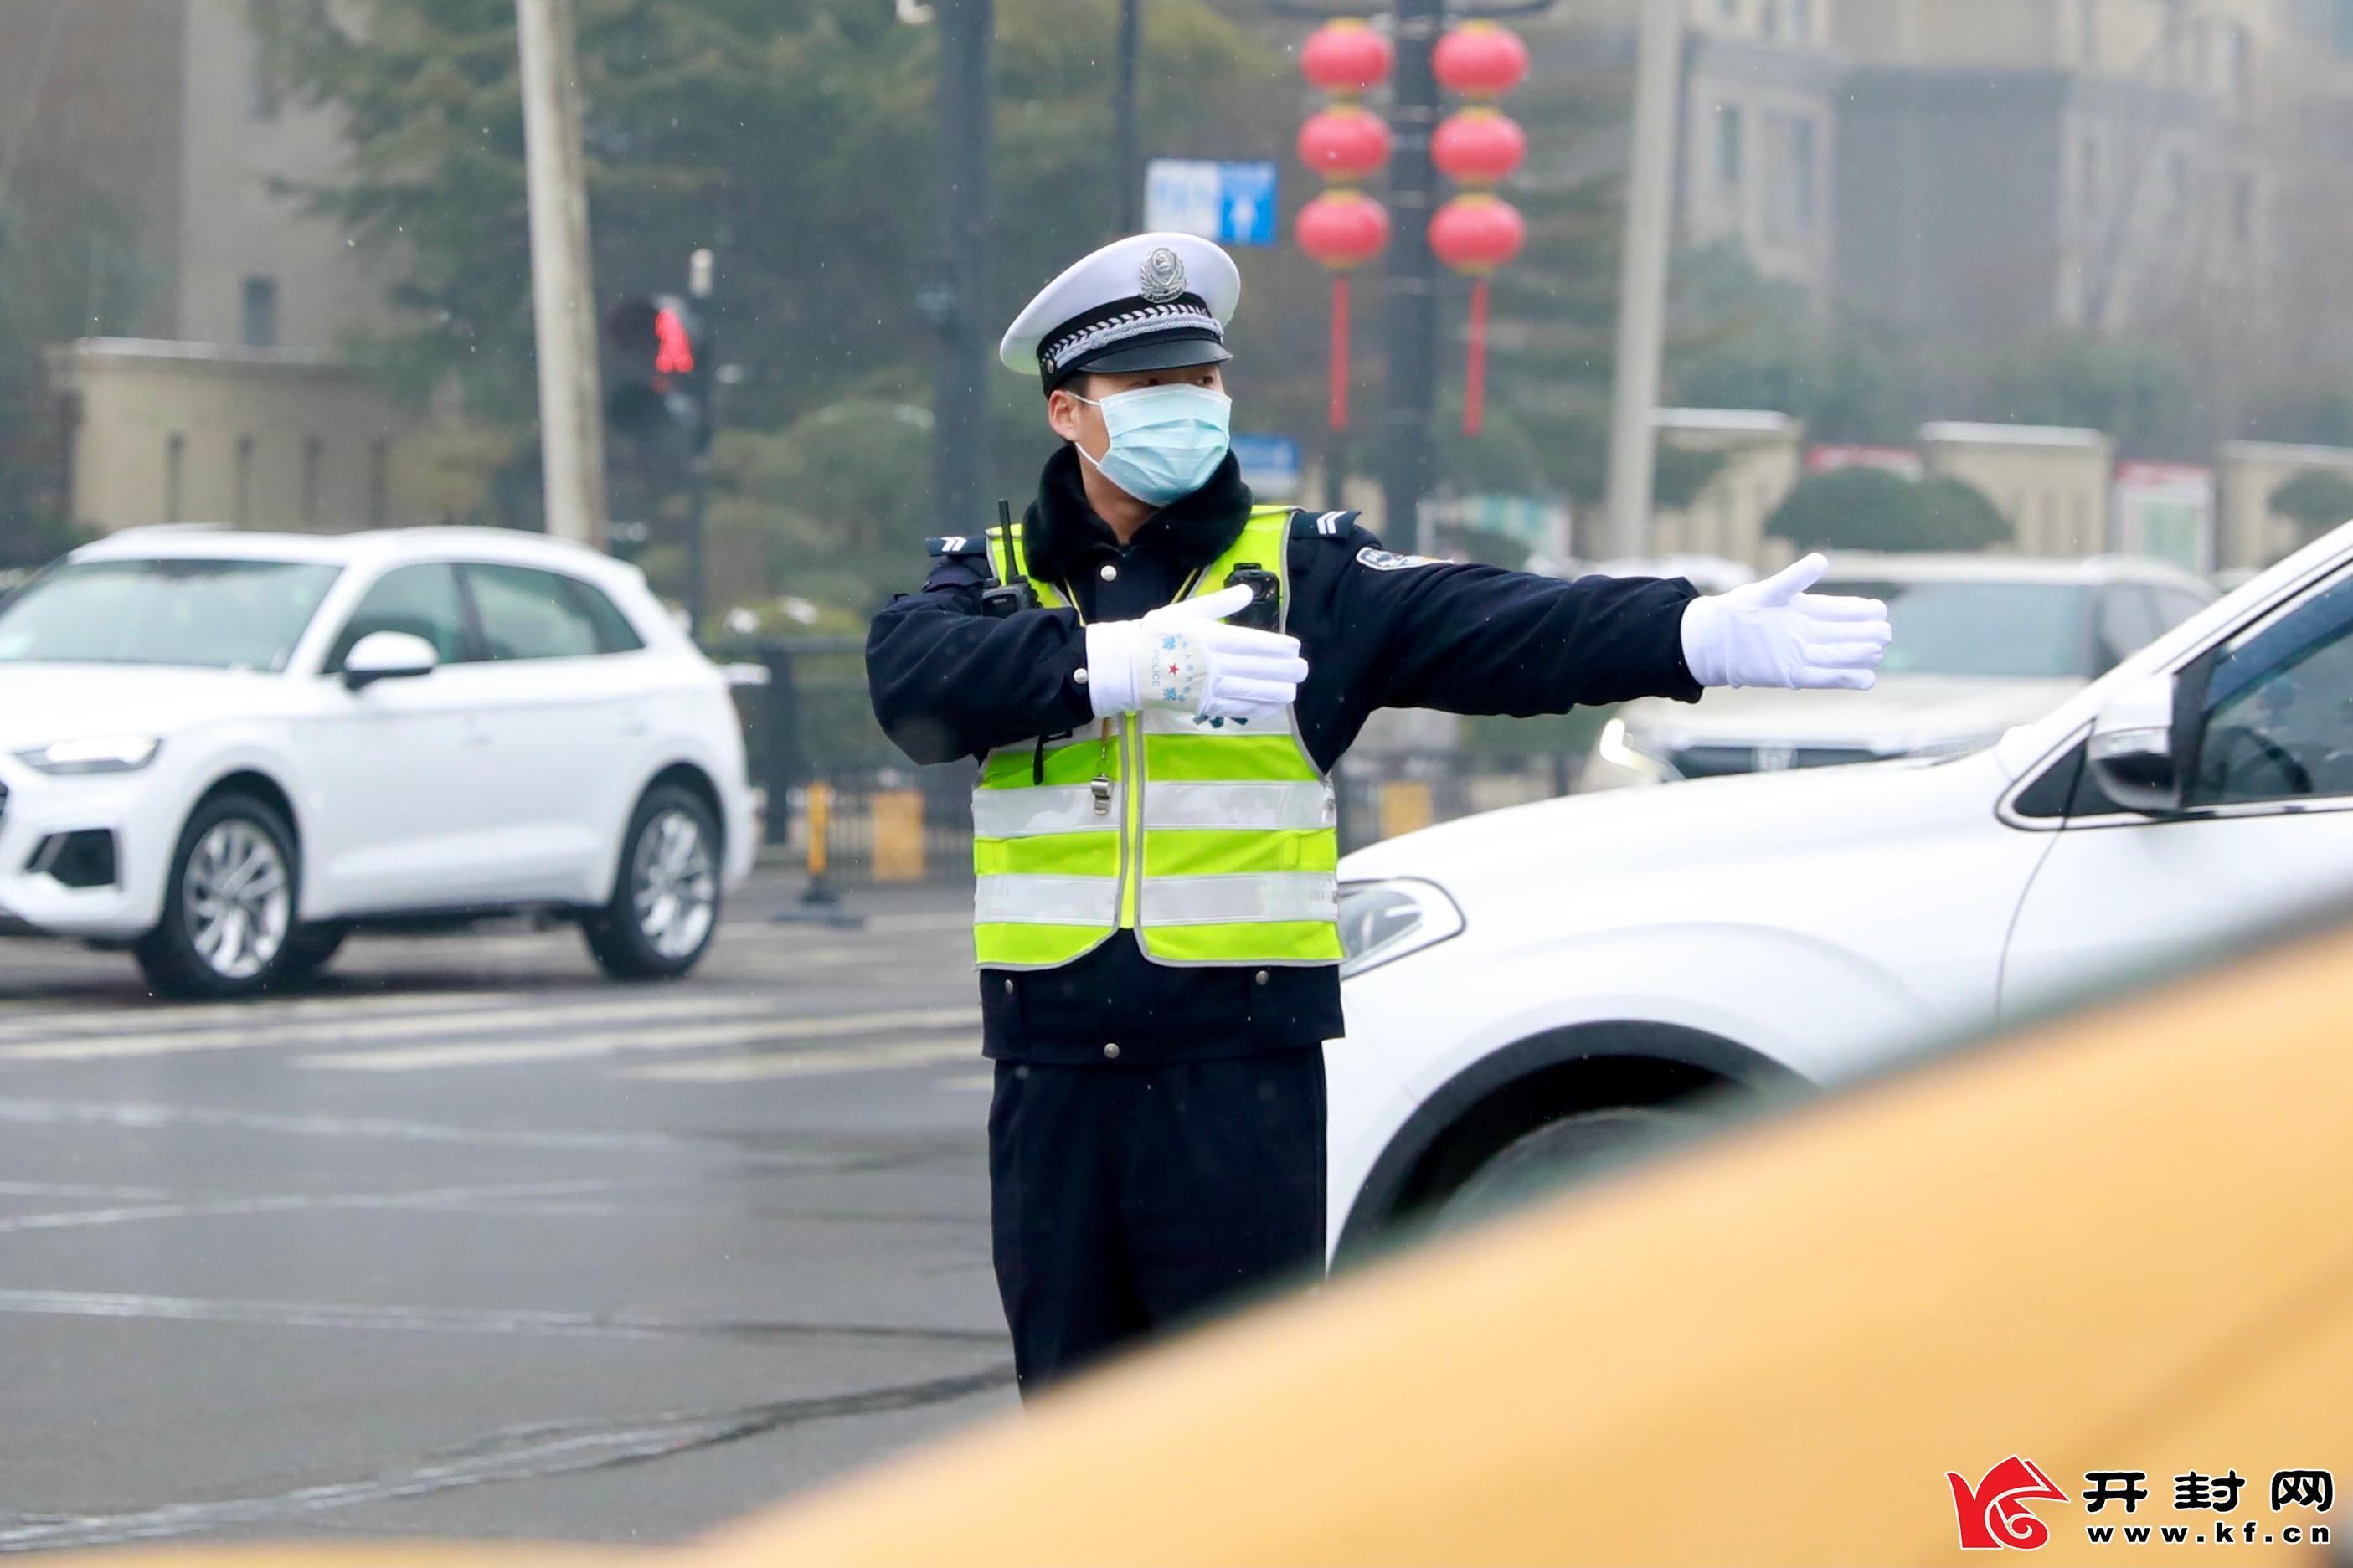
[[1643, 286], [1131, 172], [960, 390], [571, 401], [1412, 272]]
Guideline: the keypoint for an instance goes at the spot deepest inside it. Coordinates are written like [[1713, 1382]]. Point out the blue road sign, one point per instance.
[[1231, 202], [1270, 466]]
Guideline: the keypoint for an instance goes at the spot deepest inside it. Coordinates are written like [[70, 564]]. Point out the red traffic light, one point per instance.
[[673, 344]]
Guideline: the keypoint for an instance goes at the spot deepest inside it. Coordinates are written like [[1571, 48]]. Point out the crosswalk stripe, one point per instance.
[[410, 1059], [212, 1017], [237, 1033], [808, 1064]]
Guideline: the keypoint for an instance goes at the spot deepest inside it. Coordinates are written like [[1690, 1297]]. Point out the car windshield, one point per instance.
[[221, 614], [2013, 631]]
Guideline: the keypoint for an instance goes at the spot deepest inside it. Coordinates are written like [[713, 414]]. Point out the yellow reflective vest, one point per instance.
[[1216, 840]]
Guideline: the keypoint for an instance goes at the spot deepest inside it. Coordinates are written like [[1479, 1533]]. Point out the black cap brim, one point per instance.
[[1171, 353]]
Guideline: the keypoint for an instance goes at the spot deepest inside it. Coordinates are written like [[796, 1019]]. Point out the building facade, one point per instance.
[[207, 374]]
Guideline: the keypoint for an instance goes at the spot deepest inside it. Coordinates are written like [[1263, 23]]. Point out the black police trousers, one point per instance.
[[1128, 1200]]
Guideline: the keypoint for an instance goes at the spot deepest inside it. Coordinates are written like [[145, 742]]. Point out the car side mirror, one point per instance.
[[388, 656], [2134, 752]]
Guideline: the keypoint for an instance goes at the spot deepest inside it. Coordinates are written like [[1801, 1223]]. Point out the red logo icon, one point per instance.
[[1993, 1514]]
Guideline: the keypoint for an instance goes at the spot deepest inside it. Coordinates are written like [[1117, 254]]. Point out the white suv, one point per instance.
[[1982, 642], [1527, 989], [224, 749]]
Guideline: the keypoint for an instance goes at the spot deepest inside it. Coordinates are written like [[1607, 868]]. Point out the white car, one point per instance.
[[1528, 988], [224, 749], [1982, 643]]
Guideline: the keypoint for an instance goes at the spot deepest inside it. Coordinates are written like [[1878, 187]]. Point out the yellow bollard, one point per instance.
[[820, 829], [1405, 807], [899, 836]]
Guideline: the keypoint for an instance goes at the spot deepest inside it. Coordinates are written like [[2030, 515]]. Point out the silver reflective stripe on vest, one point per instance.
[[1046, 900], [1271, 721], [1259, 806], [1037, 810], [1223, 901]]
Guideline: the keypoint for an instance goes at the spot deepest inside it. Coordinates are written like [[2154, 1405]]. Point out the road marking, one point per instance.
[[410, 1059], [985, 1082], [455, 1319], [286, 1202], [946, 919], [216, 1015], [239, 1034], [810, 1064]]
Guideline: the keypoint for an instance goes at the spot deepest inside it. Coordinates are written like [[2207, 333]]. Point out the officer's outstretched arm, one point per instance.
[[948, 681], [1477, 640]]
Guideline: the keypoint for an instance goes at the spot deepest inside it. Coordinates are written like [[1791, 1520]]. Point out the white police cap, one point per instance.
[[1154, 302]]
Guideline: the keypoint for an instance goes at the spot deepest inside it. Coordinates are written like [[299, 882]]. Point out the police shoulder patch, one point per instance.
[[1322, 524], [1390, 561], [957, 545]]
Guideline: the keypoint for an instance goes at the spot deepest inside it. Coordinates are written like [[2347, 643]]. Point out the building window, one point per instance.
[[176, 462], [1792, 21], [2340, 26], [262, 98], [1793, 200], [1728, 143], [242, 510], [2238, 61], [2090, 174], [261, 312], [2243, 208], [2087, 33], [379, 483], [1727, 10], [314, 466]]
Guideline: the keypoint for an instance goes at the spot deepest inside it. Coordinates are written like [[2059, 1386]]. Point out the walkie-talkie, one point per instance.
[[1008, 598], [1264, 612]]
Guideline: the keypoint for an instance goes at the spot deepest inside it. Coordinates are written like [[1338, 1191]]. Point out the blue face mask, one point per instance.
[[1165, 441]]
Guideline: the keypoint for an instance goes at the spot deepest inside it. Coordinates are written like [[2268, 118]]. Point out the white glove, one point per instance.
[[1184, 657], [1775, 634]]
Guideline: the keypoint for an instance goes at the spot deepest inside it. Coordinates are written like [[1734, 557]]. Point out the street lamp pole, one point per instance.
[[1642, 286], [960, 389], [1412, 272]]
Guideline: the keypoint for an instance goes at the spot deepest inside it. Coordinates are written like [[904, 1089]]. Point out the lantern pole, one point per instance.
[[1412, 274], [1130, 206]]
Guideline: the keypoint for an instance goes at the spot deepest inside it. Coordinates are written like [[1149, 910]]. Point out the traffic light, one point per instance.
[[659, 373]]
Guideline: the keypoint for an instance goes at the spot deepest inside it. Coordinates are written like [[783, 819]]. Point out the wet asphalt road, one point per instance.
[[464, 1240]]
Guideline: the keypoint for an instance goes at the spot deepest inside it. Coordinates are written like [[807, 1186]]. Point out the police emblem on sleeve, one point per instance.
[[1161, 278], [1390, 561]]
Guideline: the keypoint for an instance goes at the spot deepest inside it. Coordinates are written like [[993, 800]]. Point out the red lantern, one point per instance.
[[1342, 229], [1480, 61], [1476, 234], [1345, 57], [1345, 143], [1478, 147]]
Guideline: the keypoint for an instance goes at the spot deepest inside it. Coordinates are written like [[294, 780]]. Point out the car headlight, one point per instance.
[[97, 754], [1617, 747], [1382, 921]]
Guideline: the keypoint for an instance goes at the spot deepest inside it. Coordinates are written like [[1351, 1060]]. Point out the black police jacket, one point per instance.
[[1378, 630]]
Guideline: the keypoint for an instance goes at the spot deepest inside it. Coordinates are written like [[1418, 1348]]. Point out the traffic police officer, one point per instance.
[[1158, 676]]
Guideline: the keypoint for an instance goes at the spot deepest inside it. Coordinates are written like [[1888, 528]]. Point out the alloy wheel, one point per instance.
[[238, 899], [673, 884]]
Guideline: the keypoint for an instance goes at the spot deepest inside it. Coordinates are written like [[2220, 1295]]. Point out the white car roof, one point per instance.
[[382, 547], [1876, 566]]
